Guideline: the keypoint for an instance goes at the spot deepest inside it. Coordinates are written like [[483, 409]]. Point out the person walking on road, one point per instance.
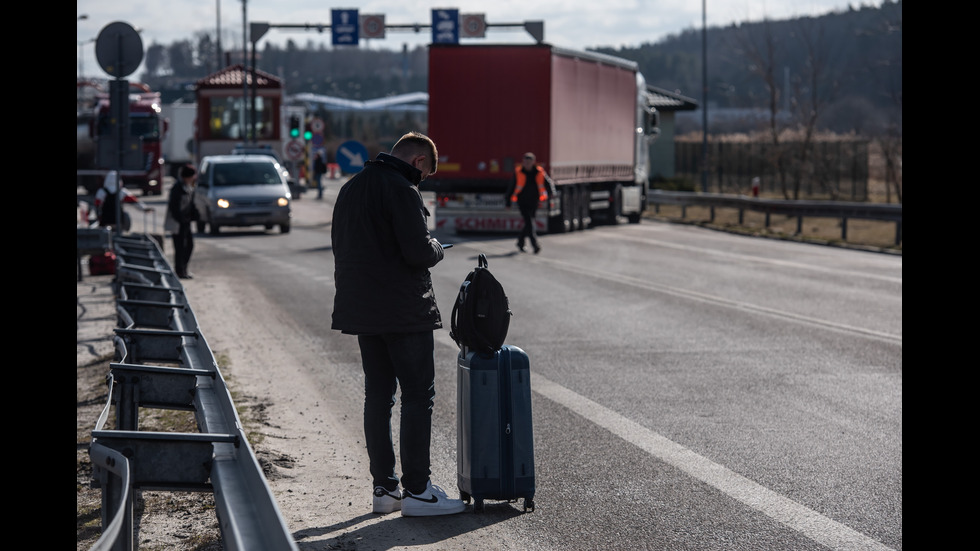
[[527, 195], [181, 211], [319, 169], [382, 254]]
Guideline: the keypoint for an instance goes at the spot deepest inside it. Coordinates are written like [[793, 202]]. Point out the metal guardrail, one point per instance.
[[842, 210], [164, 361]]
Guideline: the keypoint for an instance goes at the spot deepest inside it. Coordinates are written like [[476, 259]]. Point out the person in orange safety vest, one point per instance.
[[528, 197]]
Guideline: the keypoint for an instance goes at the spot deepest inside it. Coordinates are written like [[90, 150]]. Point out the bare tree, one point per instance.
[[809, 100], [760, 51], [891, 138]]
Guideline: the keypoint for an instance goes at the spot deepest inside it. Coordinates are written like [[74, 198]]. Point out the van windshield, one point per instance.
[[245, 174]]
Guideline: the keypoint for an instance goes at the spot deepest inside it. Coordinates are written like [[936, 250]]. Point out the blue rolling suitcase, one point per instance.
[[494, 441]]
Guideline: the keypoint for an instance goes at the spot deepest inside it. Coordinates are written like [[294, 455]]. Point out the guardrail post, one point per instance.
[[843, 228], [110, 471], [898, 232]]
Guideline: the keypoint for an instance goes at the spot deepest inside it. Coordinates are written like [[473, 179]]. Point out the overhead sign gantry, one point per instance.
[[348, 26]]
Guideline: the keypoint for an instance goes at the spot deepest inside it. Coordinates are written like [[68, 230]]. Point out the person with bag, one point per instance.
[[382, 254], [528, 190], [181, 211], [107, 202]]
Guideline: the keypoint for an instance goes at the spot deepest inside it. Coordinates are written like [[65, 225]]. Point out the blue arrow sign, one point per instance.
[[445, 26], [344, 27], [351, 156]]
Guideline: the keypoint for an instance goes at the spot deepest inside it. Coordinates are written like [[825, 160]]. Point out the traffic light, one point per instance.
[[293, 126], [307, 135]]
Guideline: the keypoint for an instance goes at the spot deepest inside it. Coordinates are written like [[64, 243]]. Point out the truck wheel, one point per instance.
[[572, 208], [557, 224], [585, 215], [615, 205]]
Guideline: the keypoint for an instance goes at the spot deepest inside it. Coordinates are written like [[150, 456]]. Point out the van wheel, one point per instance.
[[284, 228], [214, 229]]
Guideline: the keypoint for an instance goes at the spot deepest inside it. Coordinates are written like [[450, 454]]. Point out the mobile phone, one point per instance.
[[447, 245]]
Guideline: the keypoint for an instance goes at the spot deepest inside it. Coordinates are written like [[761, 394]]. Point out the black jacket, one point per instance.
[[382, 252], [181, 205]]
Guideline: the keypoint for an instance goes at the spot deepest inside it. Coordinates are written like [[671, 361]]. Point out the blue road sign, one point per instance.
[[445, 26], [351, 156], [345, 27]]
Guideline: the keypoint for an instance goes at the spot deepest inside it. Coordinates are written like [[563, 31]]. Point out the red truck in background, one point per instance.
[[586, 116], [97, 152]]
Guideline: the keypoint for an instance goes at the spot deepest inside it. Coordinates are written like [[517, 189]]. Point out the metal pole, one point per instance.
[[704, 96], [244, 112], [255, 84], [123, 132], [217, 4]]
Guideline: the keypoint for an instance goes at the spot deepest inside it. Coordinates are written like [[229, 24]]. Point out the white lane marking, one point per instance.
[[795, 516], [703, 297], [758, 259]]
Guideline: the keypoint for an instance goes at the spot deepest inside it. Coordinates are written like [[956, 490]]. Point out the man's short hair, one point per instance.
[[187, 171], [416, 143]]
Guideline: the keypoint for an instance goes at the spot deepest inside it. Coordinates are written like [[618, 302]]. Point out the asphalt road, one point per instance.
[[691, 389]]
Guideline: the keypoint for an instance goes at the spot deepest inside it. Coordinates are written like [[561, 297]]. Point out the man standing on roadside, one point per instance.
[[382, 254], [181, 211]]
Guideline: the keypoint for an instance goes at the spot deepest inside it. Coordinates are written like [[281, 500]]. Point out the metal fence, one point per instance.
[[841, 210], [836, 170], [162, 360]]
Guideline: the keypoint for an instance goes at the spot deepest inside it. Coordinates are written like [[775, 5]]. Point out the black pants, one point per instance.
[[528, 231], [183, 247], [390, 360]]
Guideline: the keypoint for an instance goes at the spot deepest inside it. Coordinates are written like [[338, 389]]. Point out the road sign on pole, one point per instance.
[[373, 26], [344, 27], [472, 25], [351, 156], [445, 26]]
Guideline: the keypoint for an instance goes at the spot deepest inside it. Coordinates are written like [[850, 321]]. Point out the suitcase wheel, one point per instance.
[[478, 505], [528, 505]]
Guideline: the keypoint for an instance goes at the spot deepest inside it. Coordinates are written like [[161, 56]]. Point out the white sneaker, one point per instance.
[[385, 501], [433, 501]]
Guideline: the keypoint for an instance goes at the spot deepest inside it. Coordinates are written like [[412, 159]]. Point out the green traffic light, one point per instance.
[[294, 132], [308, 135]]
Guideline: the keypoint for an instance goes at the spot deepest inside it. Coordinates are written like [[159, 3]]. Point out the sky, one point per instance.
[[576, 24]]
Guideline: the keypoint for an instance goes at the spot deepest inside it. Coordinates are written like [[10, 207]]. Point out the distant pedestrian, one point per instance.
[[181, 211], [319, 169], [528, 195]]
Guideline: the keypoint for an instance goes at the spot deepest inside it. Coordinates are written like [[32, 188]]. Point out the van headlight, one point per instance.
[[223, 203], [283, 202]]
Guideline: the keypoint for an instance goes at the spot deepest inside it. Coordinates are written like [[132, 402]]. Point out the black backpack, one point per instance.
[[481, 314]]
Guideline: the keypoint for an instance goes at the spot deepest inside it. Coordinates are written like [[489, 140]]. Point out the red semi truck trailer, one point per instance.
[[586, 116]]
